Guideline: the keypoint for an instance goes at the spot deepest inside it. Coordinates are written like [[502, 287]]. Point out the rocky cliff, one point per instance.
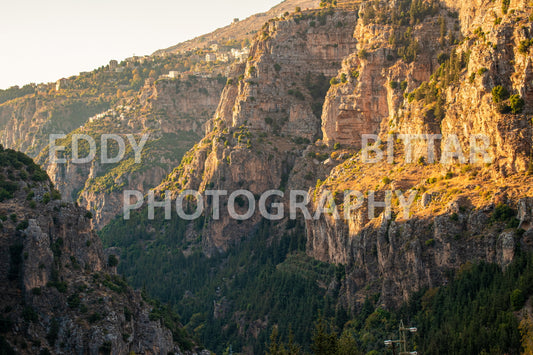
[[445, 87], [268, 113], [60, 293], [171, 112]]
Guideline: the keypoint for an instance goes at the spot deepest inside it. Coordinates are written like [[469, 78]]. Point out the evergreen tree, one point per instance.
[[347, 345], [276, 347], [324, 342]]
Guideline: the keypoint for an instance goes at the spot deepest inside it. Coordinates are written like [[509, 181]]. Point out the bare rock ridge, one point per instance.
[[60, 291]]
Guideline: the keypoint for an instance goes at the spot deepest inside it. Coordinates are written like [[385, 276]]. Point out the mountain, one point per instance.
[[60, 291], [239, 31]]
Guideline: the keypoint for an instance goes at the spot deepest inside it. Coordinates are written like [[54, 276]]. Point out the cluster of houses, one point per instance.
[[239, 55], [118, 111]]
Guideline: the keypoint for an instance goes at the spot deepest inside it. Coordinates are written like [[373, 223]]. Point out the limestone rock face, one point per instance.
[[372, 99], [401, 257], [268, 113], [372, 96], [277, 88], [172, 112], [58, 291]]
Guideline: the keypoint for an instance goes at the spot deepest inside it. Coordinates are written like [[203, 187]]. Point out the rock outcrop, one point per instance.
[[268, 113], [59, 291]]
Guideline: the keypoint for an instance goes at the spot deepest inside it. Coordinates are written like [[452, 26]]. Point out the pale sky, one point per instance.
[[42, 41]]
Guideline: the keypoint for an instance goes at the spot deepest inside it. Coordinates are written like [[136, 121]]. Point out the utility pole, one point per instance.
[[402, 342]]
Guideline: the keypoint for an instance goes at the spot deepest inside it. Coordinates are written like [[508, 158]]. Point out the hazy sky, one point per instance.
[[42, 41]]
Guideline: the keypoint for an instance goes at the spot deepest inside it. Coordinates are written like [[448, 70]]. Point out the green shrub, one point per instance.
[[393, 85], [499, 94], [517, 299], [334, 81], [52, 334], [343, 78], [524, 45], [430, 242], [95, 317], [516, 103], [442, 58], [127, 314], [22, 225], [59, 285], [74, 301], [505, 6], [29, 314], [296, 93], [502, 213], [112, 260]]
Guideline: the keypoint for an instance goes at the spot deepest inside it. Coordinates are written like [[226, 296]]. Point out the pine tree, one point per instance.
[[347, 344], [292, 347], [276, 347], [324, 341]]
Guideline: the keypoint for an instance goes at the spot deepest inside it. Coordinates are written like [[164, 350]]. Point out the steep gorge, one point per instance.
[[436, 79]]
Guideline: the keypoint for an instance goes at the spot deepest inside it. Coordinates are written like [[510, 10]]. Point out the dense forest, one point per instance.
[[266, 295]]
